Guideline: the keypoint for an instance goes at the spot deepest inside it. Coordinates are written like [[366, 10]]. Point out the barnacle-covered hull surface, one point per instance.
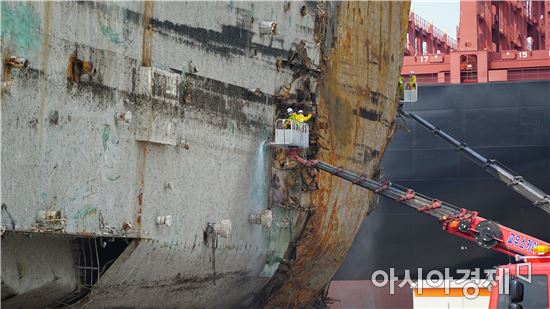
[[134, 147]]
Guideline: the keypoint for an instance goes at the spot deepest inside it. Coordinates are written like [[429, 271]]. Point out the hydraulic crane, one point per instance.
[[458, 221], [513, 180], [468, 225], [454, 220]]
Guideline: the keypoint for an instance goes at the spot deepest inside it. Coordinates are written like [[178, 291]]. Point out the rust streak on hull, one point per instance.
[[140, 186], [147, 33]]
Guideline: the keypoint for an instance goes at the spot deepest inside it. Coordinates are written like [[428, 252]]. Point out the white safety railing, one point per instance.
[[291, 134], [409, 95]]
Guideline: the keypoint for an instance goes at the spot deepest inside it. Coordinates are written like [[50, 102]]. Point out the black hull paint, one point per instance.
[[509, 122]]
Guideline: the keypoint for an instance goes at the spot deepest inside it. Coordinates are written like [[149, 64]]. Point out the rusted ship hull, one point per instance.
[[133, 145], [356, 112]]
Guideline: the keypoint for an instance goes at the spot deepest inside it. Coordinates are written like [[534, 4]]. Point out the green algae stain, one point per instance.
[[232, 127], [111, 35], [87, 210], [21, 27], [113, 178], [278, 239], [106, 135]]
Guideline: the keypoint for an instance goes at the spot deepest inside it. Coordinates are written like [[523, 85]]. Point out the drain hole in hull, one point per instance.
[[93, 256]]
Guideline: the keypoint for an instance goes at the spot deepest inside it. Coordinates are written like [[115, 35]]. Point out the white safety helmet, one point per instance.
[[300, 112], [289, 110]]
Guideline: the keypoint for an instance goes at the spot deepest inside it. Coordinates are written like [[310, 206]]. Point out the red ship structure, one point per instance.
[[497, 41]]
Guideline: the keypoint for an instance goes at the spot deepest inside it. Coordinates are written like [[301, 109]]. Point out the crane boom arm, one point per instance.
[[513, 180], [457, 221]]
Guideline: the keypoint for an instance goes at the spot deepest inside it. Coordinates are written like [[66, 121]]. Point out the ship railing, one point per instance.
[[432, 78], [452, 43], [421, 23], [291, 134], [529, 74], [438, 34]]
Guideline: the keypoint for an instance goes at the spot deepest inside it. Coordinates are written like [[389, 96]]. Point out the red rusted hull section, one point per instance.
[[355, 118]]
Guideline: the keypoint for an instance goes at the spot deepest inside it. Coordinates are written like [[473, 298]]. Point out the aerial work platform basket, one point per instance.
[[409, 96], [408, 91], [291, 134]]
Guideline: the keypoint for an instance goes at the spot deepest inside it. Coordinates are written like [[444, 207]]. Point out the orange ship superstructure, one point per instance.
[[497, 41]]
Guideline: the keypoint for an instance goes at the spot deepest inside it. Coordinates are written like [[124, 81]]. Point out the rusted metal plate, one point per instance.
[[358, 105]]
